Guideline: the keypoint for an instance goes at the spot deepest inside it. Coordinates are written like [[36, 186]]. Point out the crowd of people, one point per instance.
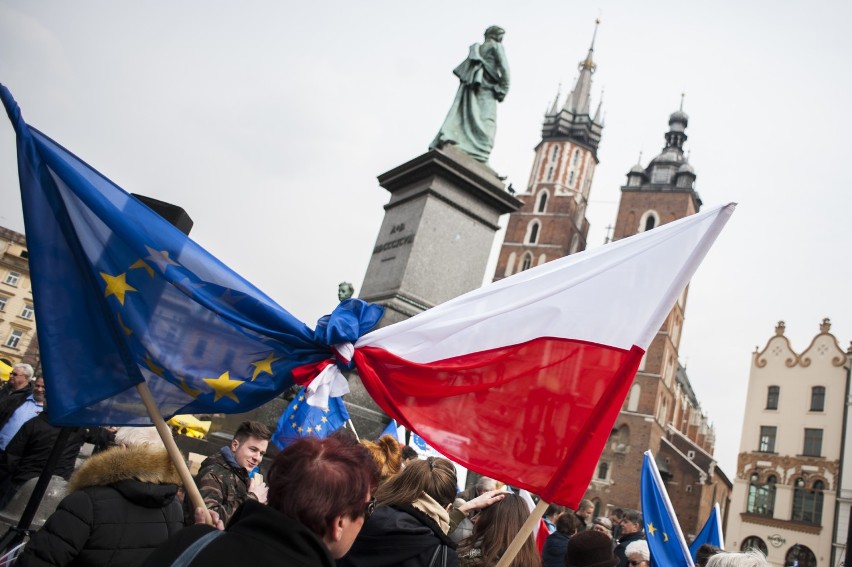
[[335, 502]]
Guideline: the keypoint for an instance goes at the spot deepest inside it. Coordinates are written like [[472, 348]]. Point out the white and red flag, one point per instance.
[[522, 380]]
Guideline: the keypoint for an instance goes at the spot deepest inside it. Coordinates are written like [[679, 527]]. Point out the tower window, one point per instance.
[[550, 173], [603, 469], [649, 223], [526, 261], [571, 179], [555, 153], [510, 265], [576, 156], [542, 201], [649, 220], [532, 232]]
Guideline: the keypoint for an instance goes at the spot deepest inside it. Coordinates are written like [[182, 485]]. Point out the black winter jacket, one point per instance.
[[257, 535], [398, 536], [120, 508], [27, 452]]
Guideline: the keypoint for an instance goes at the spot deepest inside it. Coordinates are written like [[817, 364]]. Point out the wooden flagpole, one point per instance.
[[525, 532], [168, 440]]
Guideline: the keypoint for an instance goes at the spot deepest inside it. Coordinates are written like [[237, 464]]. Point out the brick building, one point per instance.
[[552, 221], [662, 412]]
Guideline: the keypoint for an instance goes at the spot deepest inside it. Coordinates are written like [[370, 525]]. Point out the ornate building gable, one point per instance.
[[824, 348]]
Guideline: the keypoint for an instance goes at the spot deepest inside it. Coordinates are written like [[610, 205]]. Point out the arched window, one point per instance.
[[532, 232], [597, 511], [542, 259], [818, 398], [571, 179], [550, 173], [542, 201], [761, 496], [754, 542], [801, 556], [772, 397], [510, 265], [603, 469], [576, 156], [807, 502], [555, 153], [649, 220], [633, 398], [526, 261]]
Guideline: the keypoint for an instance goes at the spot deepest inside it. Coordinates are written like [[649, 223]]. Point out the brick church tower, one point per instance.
[[552, 221], [661, 412]]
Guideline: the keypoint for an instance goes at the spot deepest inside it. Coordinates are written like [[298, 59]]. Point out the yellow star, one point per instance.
[[158, 370], [301, 398], [127, 331], [293, 416], [324, 419], [188, 389], [651, 529], [140, 263], [117, 286], [300, 430], [224, 386], [295, 407], [160, 258], [318, 428], [294, 425], [665, 537], [326, 410], [264, 365]]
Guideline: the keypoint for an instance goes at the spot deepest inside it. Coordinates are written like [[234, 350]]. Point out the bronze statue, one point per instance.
[[345, 290], [483, 82]]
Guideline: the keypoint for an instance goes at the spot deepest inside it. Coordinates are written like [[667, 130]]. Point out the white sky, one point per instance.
[[269, 122]]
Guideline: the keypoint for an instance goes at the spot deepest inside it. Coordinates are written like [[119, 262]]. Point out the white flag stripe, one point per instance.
[[616, 295]]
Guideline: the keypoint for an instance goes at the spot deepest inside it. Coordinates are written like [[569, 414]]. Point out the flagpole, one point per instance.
[[352, 427], [172, 448], [525, 532]]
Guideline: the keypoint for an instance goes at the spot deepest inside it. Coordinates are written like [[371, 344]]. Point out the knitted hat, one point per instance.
[[590, 549]]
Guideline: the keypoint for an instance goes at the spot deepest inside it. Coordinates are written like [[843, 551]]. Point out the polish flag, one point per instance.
[[522, 380]]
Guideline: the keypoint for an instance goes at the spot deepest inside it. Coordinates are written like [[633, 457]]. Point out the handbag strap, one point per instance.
[[185, 558], [440, 551]]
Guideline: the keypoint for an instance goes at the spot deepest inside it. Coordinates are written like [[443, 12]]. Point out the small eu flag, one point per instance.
[[301, 419], [665, 540]]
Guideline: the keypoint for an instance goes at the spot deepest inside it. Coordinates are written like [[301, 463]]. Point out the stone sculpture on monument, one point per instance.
[[483, 82]]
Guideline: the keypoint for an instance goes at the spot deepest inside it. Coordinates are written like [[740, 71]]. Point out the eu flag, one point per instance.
[[301, 419], [711, 532], [124, 297], [665, 540]]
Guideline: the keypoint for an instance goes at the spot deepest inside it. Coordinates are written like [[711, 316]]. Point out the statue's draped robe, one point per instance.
[[472, 121]]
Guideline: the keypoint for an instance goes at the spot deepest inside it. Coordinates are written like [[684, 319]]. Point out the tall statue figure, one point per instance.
[[483, 82], [345, 290]]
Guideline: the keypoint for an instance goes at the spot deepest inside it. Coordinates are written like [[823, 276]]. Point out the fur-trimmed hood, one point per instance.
[[117, 464]]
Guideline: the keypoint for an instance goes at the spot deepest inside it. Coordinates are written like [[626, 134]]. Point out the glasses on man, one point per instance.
[[15, 374], [370, 508]]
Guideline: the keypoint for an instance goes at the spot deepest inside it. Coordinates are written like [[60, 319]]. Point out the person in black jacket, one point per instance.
[[320, 494], [121, 505], [632, 529], [28, 451]]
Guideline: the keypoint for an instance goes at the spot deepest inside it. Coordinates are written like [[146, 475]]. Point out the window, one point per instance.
[[767, 439], [772, 397], [3, 301], [571, 179], [813, 443], [555, 153], [807, 503], [550, 173], [14, 339], [542, 201], [510, 265], [761, 496], [633, 398], [817, 398], [534, 233], [603, 469], [754, 542], [526, 261], [12, 278], [801, 556], [576, 156], [27, 311], [650, 222], [661, 175]]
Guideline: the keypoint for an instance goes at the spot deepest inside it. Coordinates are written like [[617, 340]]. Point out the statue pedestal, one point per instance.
[[433, 245]]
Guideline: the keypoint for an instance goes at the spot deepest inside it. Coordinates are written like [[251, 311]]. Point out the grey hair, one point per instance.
[[485, 484], [139, 437], [28, 369], [640, 548], [750, 558]]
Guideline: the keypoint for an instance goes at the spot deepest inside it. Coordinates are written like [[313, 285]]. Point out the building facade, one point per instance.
[[17, 316], [552, 223], [662, 412], [788, 467]]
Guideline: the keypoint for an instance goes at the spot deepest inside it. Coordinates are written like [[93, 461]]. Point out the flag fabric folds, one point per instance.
[[665, 539], [123, 297], [711, 532], [301, 419], [521, 380]]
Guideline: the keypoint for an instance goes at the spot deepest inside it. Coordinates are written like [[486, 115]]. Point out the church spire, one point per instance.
[[555, 108], [579, 100]]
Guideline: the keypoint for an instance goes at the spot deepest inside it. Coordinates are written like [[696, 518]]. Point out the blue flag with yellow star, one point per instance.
[[711, 532], [122, 297], [665, 539], [303, 420]]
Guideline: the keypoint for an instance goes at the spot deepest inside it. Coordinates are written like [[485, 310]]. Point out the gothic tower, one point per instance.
[[661, 412], [552, 220]]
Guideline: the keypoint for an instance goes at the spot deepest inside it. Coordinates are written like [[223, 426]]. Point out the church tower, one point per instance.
[[661, 412], [552, 223]]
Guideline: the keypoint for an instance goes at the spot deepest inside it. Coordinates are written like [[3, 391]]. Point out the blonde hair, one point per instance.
[[387, 454], [139, 437]]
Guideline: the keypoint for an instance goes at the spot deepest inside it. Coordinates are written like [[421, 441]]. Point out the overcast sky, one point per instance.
[[269, 122]]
